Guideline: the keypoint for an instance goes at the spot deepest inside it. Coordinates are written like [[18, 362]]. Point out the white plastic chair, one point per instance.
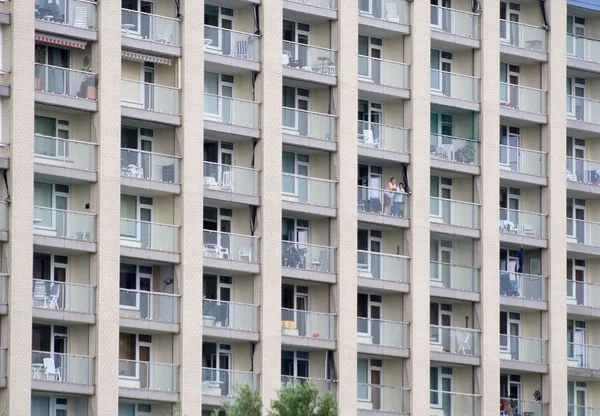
[[368, 138], [52, 299], [39, 294], [51, 372], [528, 230], [245, 254], [463, 342], [392, 13], [210, 182], [223, 252], [80, 17], [227, 184], [571, 176], [167, 36], [241, 49]]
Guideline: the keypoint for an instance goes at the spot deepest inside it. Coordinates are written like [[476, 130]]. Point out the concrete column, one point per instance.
[[417, 111], [190, 137], [20, 184], [344, 227], [106, 61]]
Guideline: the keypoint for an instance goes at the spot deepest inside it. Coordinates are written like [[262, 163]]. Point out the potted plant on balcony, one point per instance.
[[89, 85], [37, 80], [466, 154]]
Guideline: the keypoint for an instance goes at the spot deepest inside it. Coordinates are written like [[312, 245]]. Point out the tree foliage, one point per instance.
[[302, 399], [245, 403]]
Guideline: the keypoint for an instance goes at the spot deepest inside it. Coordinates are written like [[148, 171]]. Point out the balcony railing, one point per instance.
[[151, 166], [531, 350], [323, 386], [61, 296], [517, 97], [582, 410], [583, 356], [151, 27], [61, 223], [232, 43], [307, 190], [308, 324], [456, 213], [527, 407], [221, 383], [323, 4], [583, 170], [149, 306], [3, 371], [62, 368], [449, 403], [151, 97], [583, 109], [455, 22], [308, 256], [309, 124], [395, 400], [231, 111], [383, 202], [234, 179], [583, 232], [583, 294], [309, 58], [148, 376], [230, 315], [527, 224], [382, 137], [583, 48], [3, 289], [396, 11], [452, 340], [229, 246], [458, 86], [382, 266], [524, 286], [383, 72], [520, 160], [454, 276], [149, 235], [73, 154], [381, 332], [76, 13], [532, 38], [3, 215], [66, 82], [454, 149]]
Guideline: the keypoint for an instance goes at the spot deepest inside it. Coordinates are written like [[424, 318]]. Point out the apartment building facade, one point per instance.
[[258, 238]]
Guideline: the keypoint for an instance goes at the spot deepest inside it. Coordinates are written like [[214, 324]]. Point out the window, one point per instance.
[[219, 88], [294, 364], [50, 201], [441, 68], [295, 107], [369, 60], [294, 166], [131, 409], [46, 128], [440, 380], [134, 278], [136, 219], [135, 349]]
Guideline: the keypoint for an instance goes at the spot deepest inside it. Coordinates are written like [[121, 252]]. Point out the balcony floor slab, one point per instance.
[[582, 128], [220, 130], [308, 79], [308, 343], [229, 335], [149, 326], [149, 395], [66, 30], [64, 174], [153, 48], [517, 240], [153, 255], [583, 312], [308, 209], [150, 116], [521, 304], [583, 373], [457, 294], [383, 220], [232, 266], [381, 156], [311, 14], [453, 43], [583, 190], [437, 99], [380, 285], [450, 166], [436, 227], [369, 90], [147, 187], [231, 198], [369, 26], [64, 243], [371, 412], [521, 366], [294, 139], [61, 387], [311, 275], [580, 64], [521, 118], [521, 56], [57, 100], [460, 359], [54, 315], [216, 62], [382, 350], [519, 179]]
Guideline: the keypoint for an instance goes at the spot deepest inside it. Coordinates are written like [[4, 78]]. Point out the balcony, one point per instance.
[[523, 290], [383, 207], [3, 372], [382, 271], [323, 386], [3, 221], [382, 337], [581, 175], [454, 217], [523, 41], [142, 310], [218, 384], [150, 102], [582, 115], [583, 53], [521, 103], [148, 380], [582, 410], [391, 17], [62, 373], [454, 153], [230, 320], [308, 329], [384, 399], [231, 116], [308, 261], [454, 90], [65, 87], [583, 357], [71, 18], [309, 129], [226, 48], [232, 252], [523, 165], [583, 236], [149, 240], [454, 281], [308, 195], [380, 141], [231, 184], [522, 227], [3, 294], [583, 298], [463, 343], [529, 407], [62, 158], [309, 63], [64, 229], [150, 33], [149, 171], [450, 403], [319, 4], [452, 27], [64, 302], [379, 77], [524, 354]]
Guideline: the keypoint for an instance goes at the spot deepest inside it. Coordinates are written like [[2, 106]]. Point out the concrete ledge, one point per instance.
[[3, 382], [66, 30], [3, 235], [436, 227], [522, 303], [377, 89], [583, 127], [379, 154], [230, 129], [66, 101], [583, 65], [150, 395], [45, 314], [587, 188], [523, 241], [154, 255], [312, 275], [523, 54], [385, 220], [308, 342], [511, 176], [5, 18], [454, 102], [213, 401], [449, 38], [61, 387], [309, 76], [462, 359], [583, 311], [380, 25], [64, 172], [583, 249], [64, 243], [312, 10], [382, 351], [220, 61], [308, 142], [153, 186], [523, 116], [232, 265], [4, 163], [229, 334], [523, 366], [232, 197], [154, 48], [369, 412], [307, 208], [451, 166], [152, 116], [4, 90], [3, 309], [448, 293], [382, 285], [584, 373], [147, 325]]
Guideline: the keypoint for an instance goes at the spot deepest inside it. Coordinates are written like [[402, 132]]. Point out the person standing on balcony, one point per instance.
[[399, 200]]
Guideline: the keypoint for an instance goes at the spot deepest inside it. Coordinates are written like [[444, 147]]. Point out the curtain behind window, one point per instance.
[[42, 197], [129, 211], [126, 409], [40, 406], [45, 126], [363, 379]]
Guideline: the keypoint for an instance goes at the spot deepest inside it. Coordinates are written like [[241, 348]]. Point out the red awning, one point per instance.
[[57, 40]]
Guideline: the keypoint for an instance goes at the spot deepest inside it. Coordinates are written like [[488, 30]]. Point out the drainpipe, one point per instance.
[[544, 15]]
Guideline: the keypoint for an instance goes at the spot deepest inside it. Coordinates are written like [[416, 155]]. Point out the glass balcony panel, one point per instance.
[[151, 97], [309, 124], [583, 109], [574, 410], [583, 294], [585, 49], [237, 247], [531, 350], [455, 22], [379, 136], [64, 224], [232, 179], [308, 256], [454, 149], [449, 84], [69, 297], [231, 111], [150, 27], [527, 407], [151, 306], [383, 266], [221, 383], [527, 224], [3, 352], [149, 235], [324, 4], [383, 398], [454, 276], [396, 11], [307, 190], [148, 376], [64, 153], [231, 315], [307, 324], [383, 202], [66, 82], [583, 356], [583, 232], [323, 386], [76, 13], [152, 166], [463, 341], [583, 170], [380, 332], [62, 368], [523, 36], [520, 160], [309, 58], [3, 289], [457, 213], [383, 72], [3, 215], [517, 97], [232, 43], [524, 286], [449, 403]]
